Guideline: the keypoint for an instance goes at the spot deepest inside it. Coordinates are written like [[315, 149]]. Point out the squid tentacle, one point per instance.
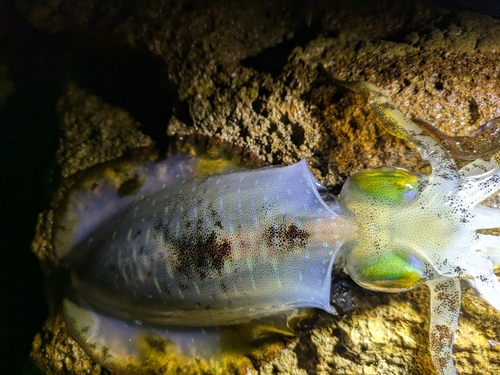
[[431, 236]]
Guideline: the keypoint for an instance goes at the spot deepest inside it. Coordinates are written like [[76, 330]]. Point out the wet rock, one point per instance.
[[438, 65]]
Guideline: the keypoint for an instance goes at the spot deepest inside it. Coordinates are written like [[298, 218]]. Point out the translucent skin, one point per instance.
[[169, 262], [223, 249], [428, 235], [202, 261]]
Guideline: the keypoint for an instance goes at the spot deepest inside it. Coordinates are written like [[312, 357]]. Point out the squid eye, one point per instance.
[[392, 185], [388, 271], [393, 270]]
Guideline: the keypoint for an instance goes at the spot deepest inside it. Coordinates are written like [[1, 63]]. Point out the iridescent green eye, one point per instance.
[[392, 270], [390, 184]]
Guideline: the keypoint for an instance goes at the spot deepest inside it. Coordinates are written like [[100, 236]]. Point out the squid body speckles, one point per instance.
[[165, 243], [182, 257]]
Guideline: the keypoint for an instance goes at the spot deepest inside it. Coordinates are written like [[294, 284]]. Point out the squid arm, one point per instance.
[[431, 237]]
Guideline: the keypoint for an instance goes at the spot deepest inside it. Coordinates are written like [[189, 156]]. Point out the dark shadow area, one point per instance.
[[489, 7], [28, 139], [39, 64], [132, 79], [307, 355], [272, 60]]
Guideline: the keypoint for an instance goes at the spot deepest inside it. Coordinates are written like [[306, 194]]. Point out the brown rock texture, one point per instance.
[[247, 72]]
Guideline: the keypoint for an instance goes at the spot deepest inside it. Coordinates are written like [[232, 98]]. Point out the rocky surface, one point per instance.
[[247, 72]]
